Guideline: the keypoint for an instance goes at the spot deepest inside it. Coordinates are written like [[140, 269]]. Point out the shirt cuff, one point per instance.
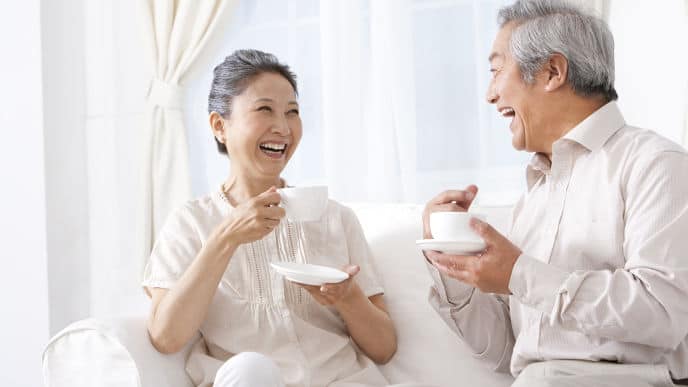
[[536, 283], [448, 289]]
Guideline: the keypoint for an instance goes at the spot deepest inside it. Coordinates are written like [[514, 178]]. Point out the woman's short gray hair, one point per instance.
[[547, 27], [232, 76]]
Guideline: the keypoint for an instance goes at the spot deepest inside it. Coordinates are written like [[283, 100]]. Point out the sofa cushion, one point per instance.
[[428, 351], [114, 353]]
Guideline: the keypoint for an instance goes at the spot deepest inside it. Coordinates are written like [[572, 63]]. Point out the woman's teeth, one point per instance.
[[273, 147]]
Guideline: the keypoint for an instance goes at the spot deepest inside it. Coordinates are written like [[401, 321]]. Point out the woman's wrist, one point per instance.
[[352, 299], [220, 248]]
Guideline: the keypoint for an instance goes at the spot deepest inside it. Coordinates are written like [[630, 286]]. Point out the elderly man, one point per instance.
[[591, 286]]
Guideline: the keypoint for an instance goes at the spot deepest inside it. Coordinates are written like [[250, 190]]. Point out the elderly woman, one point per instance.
[[210, 268]]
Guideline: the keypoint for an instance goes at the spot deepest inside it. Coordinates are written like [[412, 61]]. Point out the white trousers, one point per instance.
[[248, 369], [569, 373]]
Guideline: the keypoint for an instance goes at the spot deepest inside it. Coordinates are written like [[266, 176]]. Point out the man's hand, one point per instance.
[[451, 200], [489, 271]]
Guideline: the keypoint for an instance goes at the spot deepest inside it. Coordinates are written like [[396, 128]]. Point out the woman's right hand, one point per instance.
[[251, 220]]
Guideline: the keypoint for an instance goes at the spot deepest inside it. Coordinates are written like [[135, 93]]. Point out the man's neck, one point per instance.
[[568, 115]]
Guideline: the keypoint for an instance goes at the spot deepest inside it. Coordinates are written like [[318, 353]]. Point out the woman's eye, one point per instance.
[[293, 111], [265, 108]]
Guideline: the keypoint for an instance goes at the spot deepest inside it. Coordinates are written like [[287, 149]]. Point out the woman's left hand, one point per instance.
[[337, 293]]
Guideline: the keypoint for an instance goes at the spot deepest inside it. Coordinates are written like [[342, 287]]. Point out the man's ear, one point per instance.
[[217, 126], [556, 70]]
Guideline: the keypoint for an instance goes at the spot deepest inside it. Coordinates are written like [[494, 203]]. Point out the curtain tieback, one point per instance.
[[164, 94]]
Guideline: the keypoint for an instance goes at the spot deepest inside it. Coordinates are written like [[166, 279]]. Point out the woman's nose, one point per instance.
[[281, 127]]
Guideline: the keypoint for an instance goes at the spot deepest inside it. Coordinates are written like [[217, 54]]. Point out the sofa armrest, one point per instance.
[[111, 353]]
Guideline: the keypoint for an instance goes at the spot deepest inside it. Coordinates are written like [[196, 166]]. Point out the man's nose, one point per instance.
[[491, 96]]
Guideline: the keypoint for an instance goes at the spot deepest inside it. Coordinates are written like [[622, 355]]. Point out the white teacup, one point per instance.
[[304, 204], [454, 226]]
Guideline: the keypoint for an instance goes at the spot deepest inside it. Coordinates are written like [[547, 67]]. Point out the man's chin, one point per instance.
[[518, 143]]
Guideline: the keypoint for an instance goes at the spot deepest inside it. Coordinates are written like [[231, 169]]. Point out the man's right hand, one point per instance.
[[451, 200]]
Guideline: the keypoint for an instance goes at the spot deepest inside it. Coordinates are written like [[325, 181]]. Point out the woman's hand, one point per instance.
[[251, 220], [337, 293]]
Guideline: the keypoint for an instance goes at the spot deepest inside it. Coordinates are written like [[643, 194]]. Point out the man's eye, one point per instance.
[[265, 108], [293, 111]]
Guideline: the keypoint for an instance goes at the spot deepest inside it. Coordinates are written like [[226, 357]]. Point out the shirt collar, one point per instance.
[[594, 131]]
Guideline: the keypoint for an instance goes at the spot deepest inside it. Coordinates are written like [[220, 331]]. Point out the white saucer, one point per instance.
[[452, 247], [308, 274]]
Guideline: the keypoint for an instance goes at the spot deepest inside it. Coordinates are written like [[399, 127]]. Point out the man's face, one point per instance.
[[523, 103]]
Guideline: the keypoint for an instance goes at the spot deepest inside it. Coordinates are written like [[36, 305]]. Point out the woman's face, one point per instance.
[[264, 127]]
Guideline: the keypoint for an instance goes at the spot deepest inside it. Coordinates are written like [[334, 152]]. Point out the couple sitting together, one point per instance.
[[589, 287]]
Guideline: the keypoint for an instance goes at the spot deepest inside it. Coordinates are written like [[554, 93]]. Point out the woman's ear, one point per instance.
[[556, 68], [217, 125]]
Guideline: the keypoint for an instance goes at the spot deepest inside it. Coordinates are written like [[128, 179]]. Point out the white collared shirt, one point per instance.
[[604, 272]]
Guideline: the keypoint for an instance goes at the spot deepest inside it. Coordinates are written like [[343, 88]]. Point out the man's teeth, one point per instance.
[[506, 112], [274, 147]]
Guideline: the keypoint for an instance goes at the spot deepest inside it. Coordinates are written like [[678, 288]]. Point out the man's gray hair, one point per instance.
[[547, 27]]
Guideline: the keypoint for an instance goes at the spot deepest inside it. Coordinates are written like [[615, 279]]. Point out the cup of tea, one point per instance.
[[304, 204], [454, 226]]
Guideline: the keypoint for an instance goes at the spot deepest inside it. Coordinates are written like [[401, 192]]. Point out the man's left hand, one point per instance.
[[489, 271]]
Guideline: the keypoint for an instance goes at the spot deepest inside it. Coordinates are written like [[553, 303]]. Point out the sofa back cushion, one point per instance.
[[428, 351]]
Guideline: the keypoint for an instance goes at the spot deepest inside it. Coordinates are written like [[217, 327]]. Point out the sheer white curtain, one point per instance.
[[134, 126], [368, 101], [391, 94], [175, 33]]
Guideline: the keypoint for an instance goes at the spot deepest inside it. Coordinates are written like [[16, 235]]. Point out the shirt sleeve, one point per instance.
[[175, 248], [359, 254], [651, 288], [481, 320]]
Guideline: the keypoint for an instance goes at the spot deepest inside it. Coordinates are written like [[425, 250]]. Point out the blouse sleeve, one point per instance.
[[360, 254], [176, 247]]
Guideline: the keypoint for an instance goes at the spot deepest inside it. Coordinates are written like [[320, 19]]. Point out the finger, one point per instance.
[[268, 223], [460, 275], [430, 255], [457, 196], [485, 231], [351, 270], [448, 207], [274, 212], [472, 189], [269, 197], [455, 262]]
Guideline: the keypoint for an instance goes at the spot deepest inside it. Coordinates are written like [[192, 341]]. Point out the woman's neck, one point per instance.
[[239, 187]]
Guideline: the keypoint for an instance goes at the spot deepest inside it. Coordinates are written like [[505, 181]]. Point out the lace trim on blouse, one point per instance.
[[286, 243]]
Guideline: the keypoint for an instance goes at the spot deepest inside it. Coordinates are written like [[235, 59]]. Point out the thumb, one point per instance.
[[267, 196], [473, 190], [351, 270], [485, 231]]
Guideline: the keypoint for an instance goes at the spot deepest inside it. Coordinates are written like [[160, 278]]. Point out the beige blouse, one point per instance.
[[255, 310]]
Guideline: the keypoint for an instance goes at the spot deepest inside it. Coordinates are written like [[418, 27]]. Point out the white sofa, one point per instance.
[[118, 353]]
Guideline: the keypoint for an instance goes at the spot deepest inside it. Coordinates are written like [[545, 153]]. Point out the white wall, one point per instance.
[[65, 156], [24, 297], [651, 58]]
